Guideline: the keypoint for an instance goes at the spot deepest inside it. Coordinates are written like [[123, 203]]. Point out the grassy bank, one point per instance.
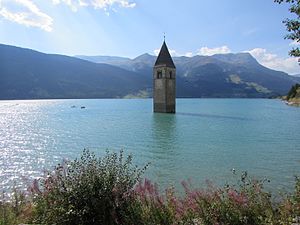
[[111, 190]]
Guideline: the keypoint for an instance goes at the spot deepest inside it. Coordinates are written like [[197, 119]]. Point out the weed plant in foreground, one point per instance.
[[110, 191]]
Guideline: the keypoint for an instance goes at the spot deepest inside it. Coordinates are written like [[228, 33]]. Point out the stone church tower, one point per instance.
[[164, 82]]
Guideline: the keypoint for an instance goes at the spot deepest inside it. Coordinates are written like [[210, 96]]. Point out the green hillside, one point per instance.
[[27, 74]]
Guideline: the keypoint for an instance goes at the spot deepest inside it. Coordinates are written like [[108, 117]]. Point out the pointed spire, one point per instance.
[[164, 57]]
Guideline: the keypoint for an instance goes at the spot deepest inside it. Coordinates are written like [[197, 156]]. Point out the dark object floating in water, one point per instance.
[[82, 107], [73, 106]]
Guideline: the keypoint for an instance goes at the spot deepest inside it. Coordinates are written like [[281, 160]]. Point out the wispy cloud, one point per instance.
[[25, 12], [250, 31], [105, 5], [212, 51], [289, 65], [72, 4]]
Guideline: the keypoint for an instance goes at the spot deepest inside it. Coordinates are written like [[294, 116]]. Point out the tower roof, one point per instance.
[[164, 57]]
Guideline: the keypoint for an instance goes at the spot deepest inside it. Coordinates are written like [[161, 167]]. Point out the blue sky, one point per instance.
[[133, 27]]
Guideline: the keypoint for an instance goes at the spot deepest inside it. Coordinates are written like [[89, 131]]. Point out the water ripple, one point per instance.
[[232, 133]]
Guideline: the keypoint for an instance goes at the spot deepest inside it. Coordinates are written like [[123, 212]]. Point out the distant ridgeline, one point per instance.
[[28, 74], [293, 97]]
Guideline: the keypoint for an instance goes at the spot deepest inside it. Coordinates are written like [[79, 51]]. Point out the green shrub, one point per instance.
[[245, 203], [293, 91], [88, 190], [15, 209], [149, 206], [289, 207]]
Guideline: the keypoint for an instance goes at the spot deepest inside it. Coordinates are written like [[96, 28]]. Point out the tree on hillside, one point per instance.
[[293, 25], [293, 91]]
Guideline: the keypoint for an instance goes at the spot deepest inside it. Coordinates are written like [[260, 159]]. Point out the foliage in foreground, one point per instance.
[[109, 190], [245, 204], [89, 190], [16, 210], [293, 25]]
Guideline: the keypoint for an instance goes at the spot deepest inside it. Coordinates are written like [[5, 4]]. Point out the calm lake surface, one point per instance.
[[205, 139]]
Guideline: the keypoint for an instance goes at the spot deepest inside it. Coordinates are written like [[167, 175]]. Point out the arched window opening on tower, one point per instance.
[[159, 74]]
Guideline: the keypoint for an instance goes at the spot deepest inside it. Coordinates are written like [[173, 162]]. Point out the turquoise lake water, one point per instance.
[[205, 139]]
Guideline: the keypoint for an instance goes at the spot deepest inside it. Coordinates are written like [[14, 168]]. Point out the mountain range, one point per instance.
[[28, 74]]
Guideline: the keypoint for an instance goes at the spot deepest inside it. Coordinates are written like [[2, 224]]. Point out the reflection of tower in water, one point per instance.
[[164, 132], [165, 153]]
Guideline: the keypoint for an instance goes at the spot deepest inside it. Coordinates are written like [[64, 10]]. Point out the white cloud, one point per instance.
[[289, 65], [71, 3], [212, 51], [102, 4], [294, 43], [189, 54], [105, 5], [174, 53], [156, 52], [25, 12], [202, 51]]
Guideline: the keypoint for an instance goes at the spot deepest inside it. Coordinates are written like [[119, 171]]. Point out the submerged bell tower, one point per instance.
[[164, 82]]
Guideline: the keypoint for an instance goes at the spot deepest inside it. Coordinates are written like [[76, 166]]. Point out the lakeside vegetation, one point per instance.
[[111, 190], [293, 96]]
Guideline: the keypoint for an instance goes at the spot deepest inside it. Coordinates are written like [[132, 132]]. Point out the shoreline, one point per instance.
[[292, 102]]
